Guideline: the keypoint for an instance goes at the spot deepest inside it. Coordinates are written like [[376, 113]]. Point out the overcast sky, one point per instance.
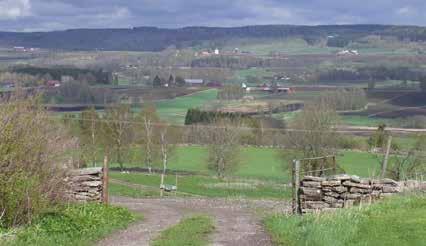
[[45, 15]]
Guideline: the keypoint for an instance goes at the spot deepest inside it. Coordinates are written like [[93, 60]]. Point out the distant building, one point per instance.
[[53, 83], [216, 52], [8, 84], [19, 49], [66, 78], [348, 52], [214, 84], [194, 82]]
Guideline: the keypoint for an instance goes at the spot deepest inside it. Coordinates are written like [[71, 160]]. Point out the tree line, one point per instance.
[[90, 76], [371, 73], [197, 116]]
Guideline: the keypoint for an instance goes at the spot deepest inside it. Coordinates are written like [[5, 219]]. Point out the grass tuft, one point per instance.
[[192, 231]]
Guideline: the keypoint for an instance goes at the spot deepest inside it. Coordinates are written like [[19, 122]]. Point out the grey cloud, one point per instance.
[[35, 15]]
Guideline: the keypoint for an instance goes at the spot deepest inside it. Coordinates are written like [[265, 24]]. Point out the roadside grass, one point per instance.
[[396, 221], [174, 110], [73, 225], [192, 231], [206, 186]]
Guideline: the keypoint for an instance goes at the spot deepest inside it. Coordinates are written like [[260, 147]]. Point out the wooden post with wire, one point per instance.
[[385, 160], [334, 165], [176, 184], [105, 181], [296, 186]]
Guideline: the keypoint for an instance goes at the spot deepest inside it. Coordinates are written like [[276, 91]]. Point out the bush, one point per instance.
[[30, 175]]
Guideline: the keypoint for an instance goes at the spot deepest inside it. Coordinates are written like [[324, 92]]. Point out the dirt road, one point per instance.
[[237, 222]]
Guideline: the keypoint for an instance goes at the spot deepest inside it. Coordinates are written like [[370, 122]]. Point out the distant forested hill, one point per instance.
[[156, 39]]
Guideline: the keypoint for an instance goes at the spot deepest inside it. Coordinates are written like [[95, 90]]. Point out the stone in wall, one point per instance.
[[85, 185], [343, 191]]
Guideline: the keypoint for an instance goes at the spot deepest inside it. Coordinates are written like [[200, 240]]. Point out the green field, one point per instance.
[[197, 185], [400, 221], [261, 163], [292, 46], [241, 75], [174, 110], [262, 174], [355, 120]]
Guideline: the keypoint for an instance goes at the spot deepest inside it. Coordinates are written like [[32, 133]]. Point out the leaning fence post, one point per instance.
[[296, 186], [105, 180], [334, 165], [385, 161]]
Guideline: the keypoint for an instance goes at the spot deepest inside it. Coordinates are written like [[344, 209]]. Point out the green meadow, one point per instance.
[[174, 110]]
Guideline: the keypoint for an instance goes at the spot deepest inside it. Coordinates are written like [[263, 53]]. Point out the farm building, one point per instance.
[[53, 83], [194, 82]]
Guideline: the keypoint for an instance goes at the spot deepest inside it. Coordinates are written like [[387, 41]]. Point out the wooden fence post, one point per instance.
[[334, 165], [105, 180], [385, 161], [296, 186]]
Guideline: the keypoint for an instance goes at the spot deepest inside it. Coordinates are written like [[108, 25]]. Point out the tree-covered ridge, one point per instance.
[[156, 39]]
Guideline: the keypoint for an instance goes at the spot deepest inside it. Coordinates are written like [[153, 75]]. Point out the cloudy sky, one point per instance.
[[44, 15]]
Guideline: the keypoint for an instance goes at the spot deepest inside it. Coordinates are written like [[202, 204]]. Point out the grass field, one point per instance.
[[263, 173], [292, 46], [192, 231], [196, 185], [400, 221], [355, 120], [174, 110], [241, 75], [262, 163]]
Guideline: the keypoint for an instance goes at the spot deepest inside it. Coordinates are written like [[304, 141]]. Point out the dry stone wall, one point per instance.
[[85, 185], [342, 191]]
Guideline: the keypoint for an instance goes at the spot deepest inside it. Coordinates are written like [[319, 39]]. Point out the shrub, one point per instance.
[[30, 174]]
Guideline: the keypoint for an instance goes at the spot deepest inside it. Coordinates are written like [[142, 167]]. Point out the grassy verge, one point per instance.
[[190, 232], [397, 221], [73, 225], [201, 186]]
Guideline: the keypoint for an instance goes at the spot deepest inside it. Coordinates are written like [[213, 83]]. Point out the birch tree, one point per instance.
[[149, 121], [90, 133], [118, 131], [223, 149]]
